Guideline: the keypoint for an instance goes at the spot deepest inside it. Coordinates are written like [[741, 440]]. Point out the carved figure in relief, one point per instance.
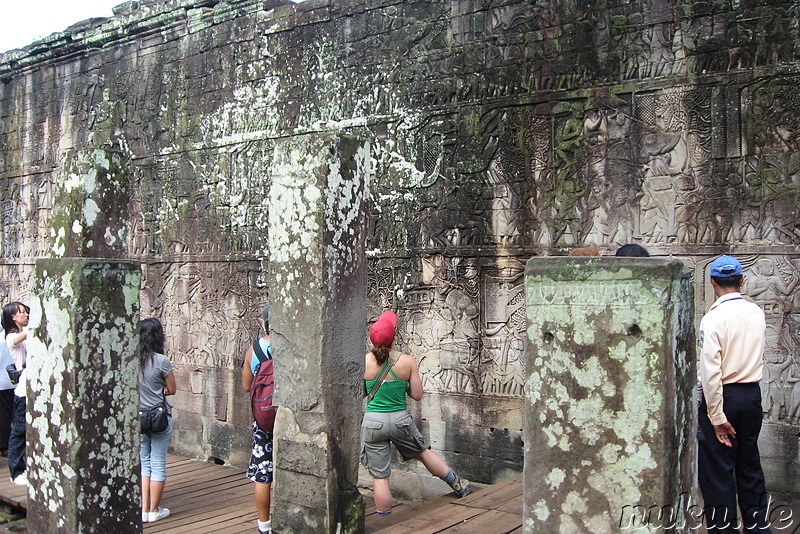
[[662, 55], [666, 160], [762, 283], [774, 385], [505, 214]]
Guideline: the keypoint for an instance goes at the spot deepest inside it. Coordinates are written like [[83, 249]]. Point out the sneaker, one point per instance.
[[268, 531], [160, 514], [461, 486], [21, 480], [145, 517]]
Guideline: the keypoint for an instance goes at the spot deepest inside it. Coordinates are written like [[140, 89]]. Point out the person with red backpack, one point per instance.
[[257, 378]]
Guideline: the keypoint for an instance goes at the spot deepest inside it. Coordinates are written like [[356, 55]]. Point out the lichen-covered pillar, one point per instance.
[[610, 416], [83, 453], [90, 206], [317, 282]]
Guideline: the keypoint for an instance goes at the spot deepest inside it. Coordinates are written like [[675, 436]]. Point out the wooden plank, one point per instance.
[[491, 500], [206, 498], [435, 521], [508, 486], [191, 511], [374, 523], [490, 521], [10, 493]]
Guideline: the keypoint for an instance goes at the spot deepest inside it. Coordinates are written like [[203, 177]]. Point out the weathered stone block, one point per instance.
[[90, 212], [83, 435], [610, 415], [317, 278]]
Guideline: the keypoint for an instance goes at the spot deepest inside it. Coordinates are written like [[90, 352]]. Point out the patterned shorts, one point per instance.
[[260, 469]]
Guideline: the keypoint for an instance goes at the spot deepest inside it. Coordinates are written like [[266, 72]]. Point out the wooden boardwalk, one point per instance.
[[205, 498]]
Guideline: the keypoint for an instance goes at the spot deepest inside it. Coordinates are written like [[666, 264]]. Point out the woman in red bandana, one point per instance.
[[389, 377]]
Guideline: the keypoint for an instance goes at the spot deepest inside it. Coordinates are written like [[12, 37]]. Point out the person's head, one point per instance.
[[381, 334], [265, 317], [632, 250], [726, 273], [15, 316], [584, 251], [151, 340]]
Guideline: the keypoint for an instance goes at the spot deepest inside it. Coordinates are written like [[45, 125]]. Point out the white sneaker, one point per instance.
[[21, 480], [160, 514], [145, 517]]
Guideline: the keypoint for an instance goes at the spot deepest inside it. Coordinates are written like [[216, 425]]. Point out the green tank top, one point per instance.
[[390, 397]]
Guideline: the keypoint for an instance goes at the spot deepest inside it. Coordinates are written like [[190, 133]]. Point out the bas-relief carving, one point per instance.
[[206, 309], [459, 349], [771, 282]]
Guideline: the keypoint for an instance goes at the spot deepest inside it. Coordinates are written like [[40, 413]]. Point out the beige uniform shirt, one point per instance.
[[732, 338]]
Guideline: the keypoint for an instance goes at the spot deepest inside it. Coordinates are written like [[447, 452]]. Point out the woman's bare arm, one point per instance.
[[414, 381], [170, 388], [247, 374]]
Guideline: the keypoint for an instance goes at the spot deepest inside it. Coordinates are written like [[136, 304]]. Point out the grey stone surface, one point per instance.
[[498, 131], [83, 431], [610, 415], [317, 278]]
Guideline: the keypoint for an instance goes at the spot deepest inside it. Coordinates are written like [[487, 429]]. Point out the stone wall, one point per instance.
[[499, 131]]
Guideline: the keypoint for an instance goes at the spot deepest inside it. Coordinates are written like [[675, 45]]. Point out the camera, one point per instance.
[[13, 374]]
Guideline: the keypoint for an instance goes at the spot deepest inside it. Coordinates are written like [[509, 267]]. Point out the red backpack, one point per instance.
[[262, 388]]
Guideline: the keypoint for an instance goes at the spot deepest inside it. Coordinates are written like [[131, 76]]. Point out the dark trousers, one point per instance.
[[725, 472], [16, 441], [6, 411]]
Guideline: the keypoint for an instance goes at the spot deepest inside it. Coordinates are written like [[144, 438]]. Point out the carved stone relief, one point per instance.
[[499, 132]]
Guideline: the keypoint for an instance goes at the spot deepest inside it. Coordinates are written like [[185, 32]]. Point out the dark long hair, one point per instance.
[[9, 310], [381, 354], [151, 340]]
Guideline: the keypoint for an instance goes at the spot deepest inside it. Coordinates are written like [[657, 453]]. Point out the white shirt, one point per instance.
[[19, 352], [732, 339]]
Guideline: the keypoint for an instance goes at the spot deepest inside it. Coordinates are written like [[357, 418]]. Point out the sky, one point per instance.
[[25, 21]]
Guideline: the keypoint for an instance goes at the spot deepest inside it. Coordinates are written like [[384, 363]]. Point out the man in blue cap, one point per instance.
[[732, 339]]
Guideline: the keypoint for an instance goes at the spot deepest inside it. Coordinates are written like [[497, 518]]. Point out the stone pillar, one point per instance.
[[610, 415], [83, 428], [90, 207], [317, 282]]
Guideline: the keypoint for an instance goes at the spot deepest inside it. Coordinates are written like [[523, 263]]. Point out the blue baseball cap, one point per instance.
[[726, 266]]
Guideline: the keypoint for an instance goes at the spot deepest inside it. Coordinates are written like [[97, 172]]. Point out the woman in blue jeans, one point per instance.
[[15, 324], [156, 381]]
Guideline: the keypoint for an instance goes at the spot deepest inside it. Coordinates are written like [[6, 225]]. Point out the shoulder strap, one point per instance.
[[259, 352], [394, 355]]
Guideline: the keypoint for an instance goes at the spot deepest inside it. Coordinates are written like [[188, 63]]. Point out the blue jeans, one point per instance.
[[16, 440], [153, 454]]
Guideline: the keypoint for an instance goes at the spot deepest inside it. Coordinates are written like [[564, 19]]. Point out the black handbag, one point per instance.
[[154, 420], [13, 374]]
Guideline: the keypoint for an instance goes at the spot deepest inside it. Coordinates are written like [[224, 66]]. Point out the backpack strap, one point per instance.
[[394, 355], [259, 352]]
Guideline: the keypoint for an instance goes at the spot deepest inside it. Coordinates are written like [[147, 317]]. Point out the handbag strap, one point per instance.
[[394, 355]]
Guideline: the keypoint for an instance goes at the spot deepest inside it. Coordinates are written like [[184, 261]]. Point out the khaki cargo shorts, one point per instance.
[[379, 430]]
